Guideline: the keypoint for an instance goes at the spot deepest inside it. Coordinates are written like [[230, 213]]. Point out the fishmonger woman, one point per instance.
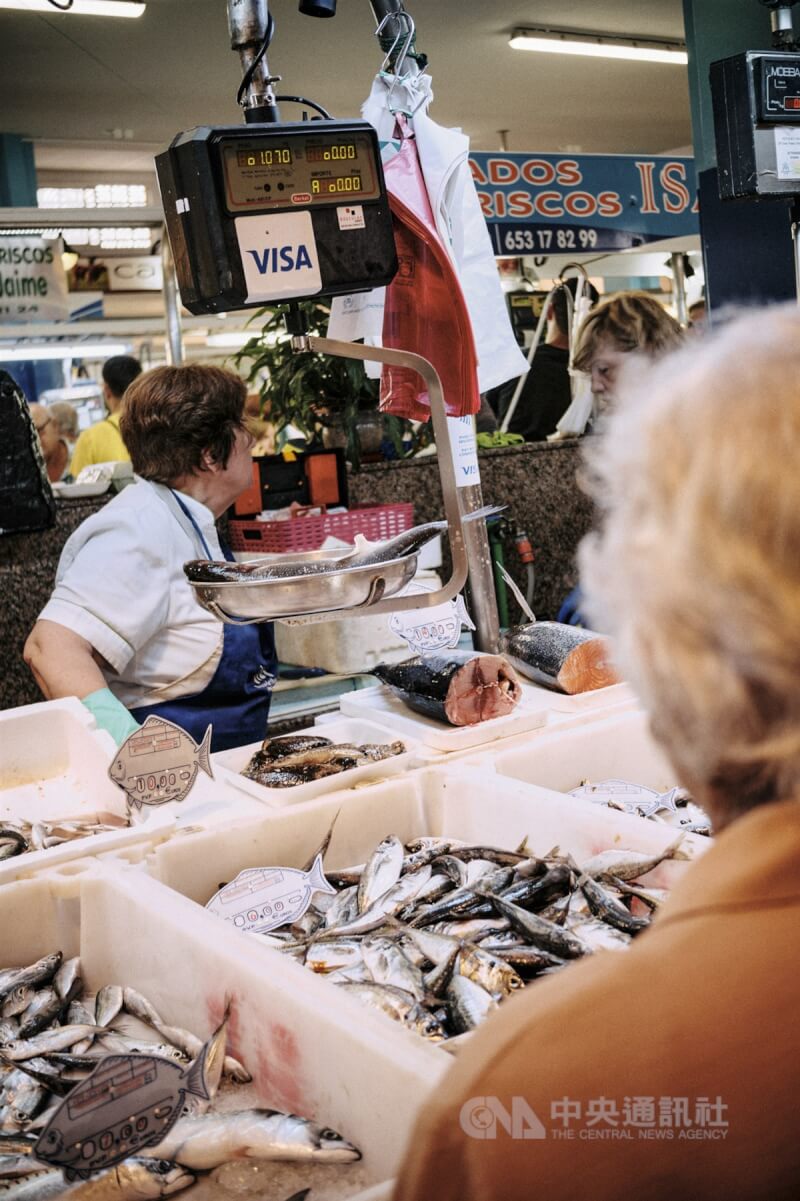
[[122, 630]]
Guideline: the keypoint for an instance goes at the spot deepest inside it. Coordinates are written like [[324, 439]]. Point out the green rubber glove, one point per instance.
[[110, 714]]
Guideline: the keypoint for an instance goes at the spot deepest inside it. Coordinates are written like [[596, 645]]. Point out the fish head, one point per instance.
[[151, 1178], [330, 1146]]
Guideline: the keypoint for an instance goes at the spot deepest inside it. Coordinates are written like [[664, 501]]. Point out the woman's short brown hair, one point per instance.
[[629, 321], [174, 416]]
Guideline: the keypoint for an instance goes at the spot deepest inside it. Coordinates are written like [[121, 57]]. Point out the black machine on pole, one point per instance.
[[756, 105]]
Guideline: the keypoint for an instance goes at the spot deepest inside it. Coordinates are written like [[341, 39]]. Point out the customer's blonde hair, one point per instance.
[[630, 321], [696, 568]]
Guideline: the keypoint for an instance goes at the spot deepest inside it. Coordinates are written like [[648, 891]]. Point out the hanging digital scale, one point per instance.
[[261, 213]]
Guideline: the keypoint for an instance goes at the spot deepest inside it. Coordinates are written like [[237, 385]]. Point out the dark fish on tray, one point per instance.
[[363, 554], [561, 657], [299, 759], [461, 688]]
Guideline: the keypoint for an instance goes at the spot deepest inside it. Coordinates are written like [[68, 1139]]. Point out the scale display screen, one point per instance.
[[306, 170]]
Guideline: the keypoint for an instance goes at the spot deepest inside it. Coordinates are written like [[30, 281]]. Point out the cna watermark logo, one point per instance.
[[637, 1117], [480, 1117]]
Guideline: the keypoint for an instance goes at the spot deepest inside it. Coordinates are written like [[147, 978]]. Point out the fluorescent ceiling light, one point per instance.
[[79, 8], [599, 45], [71, 350]]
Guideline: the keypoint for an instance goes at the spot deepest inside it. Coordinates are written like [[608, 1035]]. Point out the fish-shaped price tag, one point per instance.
[[127, 1103], [633, 798], [159, 763], [432, 629], [262, 898]]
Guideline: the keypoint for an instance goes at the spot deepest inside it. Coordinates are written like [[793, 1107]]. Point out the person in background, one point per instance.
[[546, 393], [65, 416], [624, 324], [698, 315], [55, 448], [122, 630], [696, 575], [103, 442]]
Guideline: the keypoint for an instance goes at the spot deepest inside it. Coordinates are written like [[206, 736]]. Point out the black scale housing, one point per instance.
[[746, 97], [202, 233]]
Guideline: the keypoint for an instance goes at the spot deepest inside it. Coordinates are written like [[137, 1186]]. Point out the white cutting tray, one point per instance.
[[381, 703], [75, 491], [344, 729], [581, 702]]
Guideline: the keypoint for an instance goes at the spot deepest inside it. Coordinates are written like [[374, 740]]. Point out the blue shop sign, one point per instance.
[[547, 204]]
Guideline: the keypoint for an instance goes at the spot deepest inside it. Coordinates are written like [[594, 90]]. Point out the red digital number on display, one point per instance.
[[792, 102]]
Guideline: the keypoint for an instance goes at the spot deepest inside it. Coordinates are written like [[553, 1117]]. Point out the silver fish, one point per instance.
[[388, 965], [66, 976], [491, 973], [381, 873], [18, 1000], [184, 1040], [469, 1003], [43, 1009], [57, 1039], [108, 1004], [209, 1140], [389, 903], [629, 865], [34, 976], [134, 1180]]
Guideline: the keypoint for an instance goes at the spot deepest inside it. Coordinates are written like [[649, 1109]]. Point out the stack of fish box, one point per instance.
[[54, 764], [616, 746], [471, 806], [333, 1063]]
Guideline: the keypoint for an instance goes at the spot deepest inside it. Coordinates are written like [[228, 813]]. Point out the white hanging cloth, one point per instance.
[[443, 155]]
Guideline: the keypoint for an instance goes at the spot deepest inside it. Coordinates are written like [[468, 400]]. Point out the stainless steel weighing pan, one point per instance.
[[244, 602]]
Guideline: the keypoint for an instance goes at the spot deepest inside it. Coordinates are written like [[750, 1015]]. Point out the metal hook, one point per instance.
[[411, 28]]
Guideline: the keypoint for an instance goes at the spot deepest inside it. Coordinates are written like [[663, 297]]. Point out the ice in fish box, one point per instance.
[[127, 1103], [160, 763], [262, 898]]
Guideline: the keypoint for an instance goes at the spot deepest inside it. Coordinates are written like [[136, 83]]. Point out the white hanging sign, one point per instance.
[[465, 450], [33, 282]]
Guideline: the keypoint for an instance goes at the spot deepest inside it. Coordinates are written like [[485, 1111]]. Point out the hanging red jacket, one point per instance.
[[425, 310]]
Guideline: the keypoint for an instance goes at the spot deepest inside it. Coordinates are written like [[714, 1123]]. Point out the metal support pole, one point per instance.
[[172, 304], [248, 22], [679, 281], [481, 574]]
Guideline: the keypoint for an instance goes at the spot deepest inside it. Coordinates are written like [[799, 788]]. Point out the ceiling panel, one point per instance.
[[74, 79]]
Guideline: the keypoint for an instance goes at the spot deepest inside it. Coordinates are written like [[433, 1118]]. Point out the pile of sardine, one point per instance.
[[299, 758], [437, 932], [19, 836], [54, 1034]]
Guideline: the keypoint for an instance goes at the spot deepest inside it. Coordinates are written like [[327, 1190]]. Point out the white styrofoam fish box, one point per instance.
[[54, 765], [620, 746], [342, 729], [470, 805], [305, 1057], [382, 704]]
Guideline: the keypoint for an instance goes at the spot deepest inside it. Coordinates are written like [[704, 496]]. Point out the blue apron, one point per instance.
[[237, 698]]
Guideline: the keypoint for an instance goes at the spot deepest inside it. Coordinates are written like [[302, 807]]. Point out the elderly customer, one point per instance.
[[55, 448], [697, 573], [122, 630]]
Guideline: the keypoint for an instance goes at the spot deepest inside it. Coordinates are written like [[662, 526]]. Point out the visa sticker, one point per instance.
[[279, 255]]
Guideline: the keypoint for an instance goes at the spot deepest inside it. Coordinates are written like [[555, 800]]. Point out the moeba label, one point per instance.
[[279, 255]]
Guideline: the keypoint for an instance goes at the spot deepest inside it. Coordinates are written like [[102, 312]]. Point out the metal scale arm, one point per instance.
[[455, 527]]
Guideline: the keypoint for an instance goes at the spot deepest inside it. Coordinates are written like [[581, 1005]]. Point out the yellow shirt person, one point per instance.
[[102, 443]]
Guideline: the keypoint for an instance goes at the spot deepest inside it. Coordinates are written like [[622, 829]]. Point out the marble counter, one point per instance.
[[536, 481], [27, 573]]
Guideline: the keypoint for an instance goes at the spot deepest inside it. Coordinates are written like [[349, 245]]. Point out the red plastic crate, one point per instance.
[[308, 533]]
